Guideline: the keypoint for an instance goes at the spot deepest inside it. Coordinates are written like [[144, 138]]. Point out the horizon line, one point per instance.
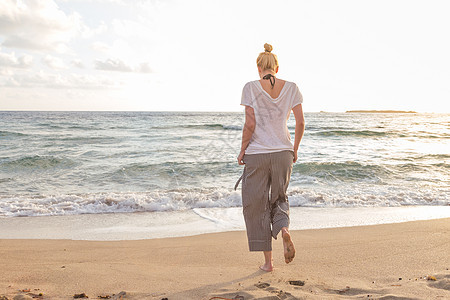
[[225, 111]]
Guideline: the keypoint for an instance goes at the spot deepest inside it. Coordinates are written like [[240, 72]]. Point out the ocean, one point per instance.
[[77, 163]]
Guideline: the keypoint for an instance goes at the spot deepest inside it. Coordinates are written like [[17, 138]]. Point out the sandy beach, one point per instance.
[[389, 261]]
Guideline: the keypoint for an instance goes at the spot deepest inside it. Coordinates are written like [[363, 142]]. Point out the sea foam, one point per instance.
[[183, 199]]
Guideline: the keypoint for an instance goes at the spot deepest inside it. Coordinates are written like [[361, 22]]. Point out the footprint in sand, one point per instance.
[[262, 285]]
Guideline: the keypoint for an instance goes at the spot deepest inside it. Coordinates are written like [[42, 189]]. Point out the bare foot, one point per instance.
[[266, 267], [289, 250]]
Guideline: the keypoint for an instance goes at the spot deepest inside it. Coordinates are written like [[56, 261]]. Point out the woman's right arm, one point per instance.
[[247, 132], [299, 127]]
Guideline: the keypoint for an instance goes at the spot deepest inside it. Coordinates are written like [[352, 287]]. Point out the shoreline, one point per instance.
[[150, 225], [334, 263], [388, 111]]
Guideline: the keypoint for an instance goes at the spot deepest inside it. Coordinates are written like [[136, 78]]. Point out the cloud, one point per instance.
[[112, 65], [5, 72], [54, 62], [89, 33], [119, 66], [58, 81], [119, 49], [77, 63], [129, 28], [100, 47], [118, 2], [10, 60], [37, 25], [144, 68]]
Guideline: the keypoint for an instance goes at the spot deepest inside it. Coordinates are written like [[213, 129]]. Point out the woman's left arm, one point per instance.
[[247, 132], [299, 127]]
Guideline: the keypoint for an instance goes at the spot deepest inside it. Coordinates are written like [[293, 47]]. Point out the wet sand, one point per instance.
[[389, 261]]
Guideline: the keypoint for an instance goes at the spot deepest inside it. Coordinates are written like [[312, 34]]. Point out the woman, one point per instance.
[[268, 155]]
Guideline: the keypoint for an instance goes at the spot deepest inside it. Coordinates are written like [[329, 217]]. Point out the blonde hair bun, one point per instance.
[[267, 60], [268, 47]]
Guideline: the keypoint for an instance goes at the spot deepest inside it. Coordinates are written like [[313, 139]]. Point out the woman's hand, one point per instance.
[[295, 156], [240, 158]]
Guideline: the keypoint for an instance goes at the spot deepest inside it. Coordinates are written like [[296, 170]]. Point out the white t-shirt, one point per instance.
[[271, 133]]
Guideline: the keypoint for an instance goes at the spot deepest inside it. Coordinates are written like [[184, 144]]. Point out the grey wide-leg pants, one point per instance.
[[264, 200]]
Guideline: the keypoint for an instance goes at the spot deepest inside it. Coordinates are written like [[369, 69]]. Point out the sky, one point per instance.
[[196, 55]]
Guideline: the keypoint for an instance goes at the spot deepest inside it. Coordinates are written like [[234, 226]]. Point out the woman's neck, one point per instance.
[[262, 74]]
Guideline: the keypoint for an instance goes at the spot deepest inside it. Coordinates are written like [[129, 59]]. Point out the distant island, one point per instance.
[[383, 111]]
